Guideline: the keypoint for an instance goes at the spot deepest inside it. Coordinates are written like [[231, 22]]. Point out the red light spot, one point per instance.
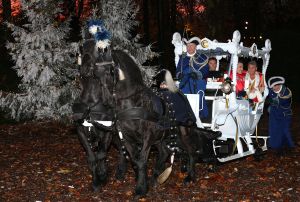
[[199, 8], [15, 7]]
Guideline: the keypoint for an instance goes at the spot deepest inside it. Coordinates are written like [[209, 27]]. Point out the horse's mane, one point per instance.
[[128, 66]]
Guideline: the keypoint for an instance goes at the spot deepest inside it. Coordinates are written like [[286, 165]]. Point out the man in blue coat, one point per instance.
[[280, 114], [192, 71]]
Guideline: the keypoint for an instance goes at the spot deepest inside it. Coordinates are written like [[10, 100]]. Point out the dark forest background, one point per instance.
[[277, 20]]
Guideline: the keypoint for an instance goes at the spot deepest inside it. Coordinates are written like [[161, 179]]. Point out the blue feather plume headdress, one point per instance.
[[101, 35]]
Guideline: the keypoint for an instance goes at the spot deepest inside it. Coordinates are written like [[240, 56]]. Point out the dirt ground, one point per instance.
[[44, 161]]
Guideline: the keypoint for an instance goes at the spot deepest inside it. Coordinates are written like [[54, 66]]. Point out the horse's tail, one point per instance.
[[170, 82]]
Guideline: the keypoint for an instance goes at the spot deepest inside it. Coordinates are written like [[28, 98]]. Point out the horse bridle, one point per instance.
[[91, 74]]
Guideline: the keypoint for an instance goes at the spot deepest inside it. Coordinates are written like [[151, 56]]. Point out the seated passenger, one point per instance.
[[192, 71], [183, 112], [214, 75], [240, 79], [254, 84]]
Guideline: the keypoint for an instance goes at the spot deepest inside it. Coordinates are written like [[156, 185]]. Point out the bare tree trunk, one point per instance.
[[6, 4], [164, 33], [75, 34], [160, 28], [173, 15], [146, 21], [80, 8]]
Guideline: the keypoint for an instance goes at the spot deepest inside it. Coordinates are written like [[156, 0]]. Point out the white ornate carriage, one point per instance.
[[235, 118]]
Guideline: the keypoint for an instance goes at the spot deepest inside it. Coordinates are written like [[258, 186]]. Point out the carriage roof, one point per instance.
[[233, 47]]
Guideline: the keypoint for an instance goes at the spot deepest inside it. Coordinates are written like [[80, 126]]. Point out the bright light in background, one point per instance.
[[246, 22], [246, 27], [260, 37]]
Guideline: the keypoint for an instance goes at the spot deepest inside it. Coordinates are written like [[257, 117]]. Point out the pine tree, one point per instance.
[[119, 17], [45, 61]]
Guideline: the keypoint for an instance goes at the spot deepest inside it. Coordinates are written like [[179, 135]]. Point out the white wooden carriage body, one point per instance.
[[237, 120]]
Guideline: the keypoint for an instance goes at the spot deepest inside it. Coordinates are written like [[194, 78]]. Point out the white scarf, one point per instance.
[[191, 55], [249, 82]]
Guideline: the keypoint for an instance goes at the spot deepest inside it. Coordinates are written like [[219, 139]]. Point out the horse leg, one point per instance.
[[183, 162], [191, 169], [139, 159], [159, 167], [142, 186], [211, 155], [91, 156], [186, 139], [122, 164], [101, 157]]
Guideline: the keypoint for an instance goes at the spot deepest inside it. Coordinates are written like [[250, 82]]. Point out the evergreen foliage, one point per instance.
[[119, 17], [45, 61]]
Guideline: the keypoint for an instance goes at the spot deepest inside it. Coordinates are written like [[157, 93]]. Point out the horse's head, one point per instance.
[[96, 73], [128, 74]]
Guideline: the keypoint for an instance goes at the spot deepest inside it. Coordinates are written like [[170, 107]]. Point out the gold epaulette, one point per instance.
[[288, 96]]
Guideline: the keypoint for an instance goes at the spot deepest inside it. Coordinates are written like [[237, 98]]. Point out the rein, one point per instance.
[[136, 113], [102, 110], [105, 63], [103, 107]]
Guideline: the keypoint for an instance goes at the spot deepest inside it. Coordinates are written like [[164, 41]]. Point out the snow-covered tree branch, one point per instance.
[[119, 17], [45, 61]]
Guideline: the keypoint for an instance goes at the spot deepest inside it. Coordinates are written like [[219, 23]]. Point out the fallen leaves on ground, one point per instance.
[[44, 161]]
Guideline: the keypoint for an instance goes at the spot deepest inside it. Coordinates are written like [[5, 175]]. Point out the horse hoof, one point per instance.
[[96, 187], [183, 169], [102, 180], [187, 180], [153, 182], [140, 192], [212, 169], [139, 197], [120, 175]]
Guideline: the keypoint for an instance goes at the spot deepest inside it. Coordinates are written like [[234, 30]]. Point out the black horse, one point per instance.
[[143, 126], [94, 105], [142, 118]]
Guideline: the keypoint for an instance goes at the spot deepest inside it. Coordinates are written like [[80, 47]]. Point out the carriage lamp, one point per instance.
[[204, 43], [226, 86]]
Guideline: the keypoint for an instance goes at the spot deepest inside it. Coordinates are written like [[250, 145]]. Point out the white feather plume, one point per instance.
[[103, 43], [93, 29]]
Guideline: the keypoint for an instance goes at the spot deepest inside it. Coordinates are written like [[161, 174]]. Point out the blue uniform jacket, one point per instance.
[[280, 114], [280, 103], [192, 72]]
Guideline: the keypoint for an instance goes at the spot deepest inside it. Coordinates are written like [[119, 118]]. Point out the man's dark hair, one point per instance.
[[253, 62], [212, 58], [241, 61]]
